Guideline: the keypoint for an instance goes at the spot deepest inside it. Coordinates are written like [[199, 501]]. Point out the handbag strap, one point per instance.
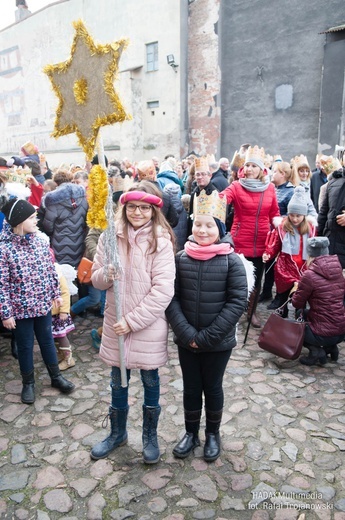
[[280, 310]]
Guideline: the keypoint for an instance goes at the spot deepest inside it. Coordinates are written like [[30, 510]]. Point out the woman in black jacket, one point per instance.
[[210, 295]]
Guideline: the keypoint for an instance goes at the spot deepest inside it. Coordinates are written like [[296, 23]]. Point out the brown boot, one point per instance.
[[67, 359], [255, 322]]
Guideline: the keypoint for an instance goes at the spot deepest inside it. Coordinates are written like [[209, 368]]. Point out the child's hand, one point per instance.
[[57, 303], [265, 257], [112, 273], [63, 315], [122, 327], [10, 323], [30, 179]]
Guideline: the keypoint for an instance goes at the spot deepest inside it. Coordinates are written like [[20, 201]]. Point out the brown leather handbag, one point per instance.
[[84, 270], [282, 337]]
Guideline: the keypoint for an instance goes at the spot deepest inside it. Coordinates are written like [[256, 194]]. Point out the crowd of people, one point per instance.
[[200, 242]]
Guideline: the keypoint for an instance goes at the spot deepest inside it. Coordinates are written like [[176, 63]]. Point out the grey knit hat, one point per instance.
[[317, 246], [298, 202]]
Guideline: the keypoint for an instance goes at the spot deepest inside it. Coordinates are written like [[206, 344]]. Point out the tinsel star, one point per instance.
[[84, 85]]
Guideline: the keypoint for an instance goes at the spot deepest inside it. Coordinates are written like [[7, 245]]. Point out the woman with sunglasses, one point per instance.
[[146, 287]]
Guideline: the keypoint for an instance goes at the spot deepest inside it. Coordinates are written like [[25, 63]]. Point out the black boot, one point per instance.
[[150, 442], [118, 434], [58, 381], [28, 391], [212, 443], [190, 440], [14, 349], [316, 356], [332, 351]]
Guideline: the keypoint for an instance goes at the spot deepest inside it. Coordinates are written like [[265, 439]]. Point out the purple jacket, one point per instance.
[[323, 287], [28, 280]]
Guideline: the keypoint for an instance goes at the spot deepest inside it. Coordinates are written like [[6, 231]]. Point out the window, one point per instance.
[[152, 104], [151, 56]]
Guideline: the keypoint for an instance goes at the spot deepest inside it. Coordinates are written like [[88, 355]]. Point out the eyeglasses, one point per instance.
[[201, 174], [144, 208]]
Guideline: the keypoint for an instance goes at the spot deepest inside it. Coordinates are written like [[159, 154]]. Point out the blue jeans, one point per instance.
[[25, 333], [119, 395], [91, 300]]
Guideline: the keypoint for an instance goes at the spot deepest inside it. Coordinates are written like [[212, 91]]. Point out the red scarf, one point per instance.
[[206, 252]]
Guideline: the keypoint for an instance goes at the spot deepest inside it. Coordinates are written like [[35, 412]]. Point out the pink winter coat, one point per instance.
[[253, 217], [146, 288]]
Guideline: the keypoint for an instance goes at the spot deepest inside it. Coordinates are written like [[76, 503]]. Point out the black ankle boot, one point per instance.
[[212, 446], [28, 391], [58, 381], [316, 356], [212, 443], [186, 445], [332, 351]]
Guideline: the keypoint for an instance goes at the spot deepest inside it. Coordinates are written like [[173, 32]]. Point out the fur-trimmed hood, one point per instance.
[[64, 193]]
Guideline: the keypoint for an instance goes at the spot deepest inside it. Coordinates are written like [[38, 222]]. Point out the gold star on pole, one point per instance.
[[85, 89]]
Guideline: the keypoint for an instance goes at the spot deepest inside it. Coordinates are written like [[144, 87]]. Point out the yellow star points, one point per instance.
[[84, 85]]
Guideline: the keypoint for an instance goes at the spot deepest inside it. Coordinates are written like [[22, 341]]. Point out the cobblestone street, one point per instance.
[[283, 443]]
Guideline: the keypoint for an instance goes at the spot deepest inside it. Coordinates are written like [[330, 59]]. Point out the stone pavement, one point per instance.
[[283, 438]]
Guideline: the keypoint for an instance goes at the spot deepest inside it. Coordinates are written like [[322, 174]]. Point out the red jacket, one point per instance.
[[286, 271], [323, 286], [253, 217]]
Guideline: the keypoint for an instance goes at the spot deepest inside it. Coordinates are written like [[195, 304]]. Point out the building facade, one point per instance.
[[198, 75]]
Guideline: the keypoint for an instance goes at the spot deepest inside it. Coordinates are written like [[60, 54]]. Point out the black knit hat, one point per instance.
[[17, 210]]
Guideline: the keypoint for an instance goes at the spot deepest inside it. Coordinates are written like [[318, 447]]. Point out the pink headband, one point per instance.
[[142, 196]]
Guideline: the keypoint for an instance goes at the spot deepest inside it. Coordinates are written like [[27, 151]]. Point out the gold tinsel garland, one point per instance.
[[78, 92], [97, 193]]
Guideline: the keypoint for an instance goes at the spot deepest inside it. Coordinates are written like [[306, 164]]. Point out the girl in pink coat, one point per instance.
[[146, 287], [289, 242]]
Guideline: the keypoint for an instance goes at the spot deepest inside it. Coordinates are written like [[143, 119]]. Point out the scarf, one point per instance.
[[254, 185], [291, 243], [198, 252]]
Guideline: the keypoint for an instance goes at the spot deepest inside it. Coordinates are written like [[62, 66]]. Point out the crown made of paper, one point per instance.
[[329, 164], [19, 175], [121, 183], [212, 205], [254, 152], [268, 160], [237, 161], [201, 164], [277, 158], [300, 160], [211, 159], [146, 170]]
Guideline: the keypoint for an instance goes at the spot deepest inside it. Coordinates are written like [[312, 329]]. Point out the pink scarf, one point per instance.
[[206, 252]]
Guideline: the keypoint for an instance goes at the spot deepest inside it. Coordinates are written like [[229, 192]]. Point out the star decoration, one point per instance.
[[84, 85]]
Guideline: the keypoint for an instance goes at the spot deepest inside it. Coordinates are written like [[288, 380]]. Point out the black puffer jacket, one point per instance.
[[323, 286], [333, 204], [65, 222], [210, 296]]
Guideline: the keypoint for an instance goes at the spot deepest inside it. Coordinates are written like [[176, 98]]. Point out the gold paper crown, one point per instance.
[[211, 205], [237, 161], [254, 152], [122, 183], [300, 160], [211, 159], [268, 160], [201, 164], [146, 170], [329, 164], [17, 174]]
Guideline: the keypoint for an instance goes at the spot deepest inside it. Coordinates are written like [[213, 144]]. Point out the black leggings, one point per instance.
[[203, 373]]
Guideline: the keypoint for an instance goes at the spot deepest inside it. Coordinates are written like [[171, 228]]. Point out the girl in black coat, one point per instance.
[[210, 296]]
